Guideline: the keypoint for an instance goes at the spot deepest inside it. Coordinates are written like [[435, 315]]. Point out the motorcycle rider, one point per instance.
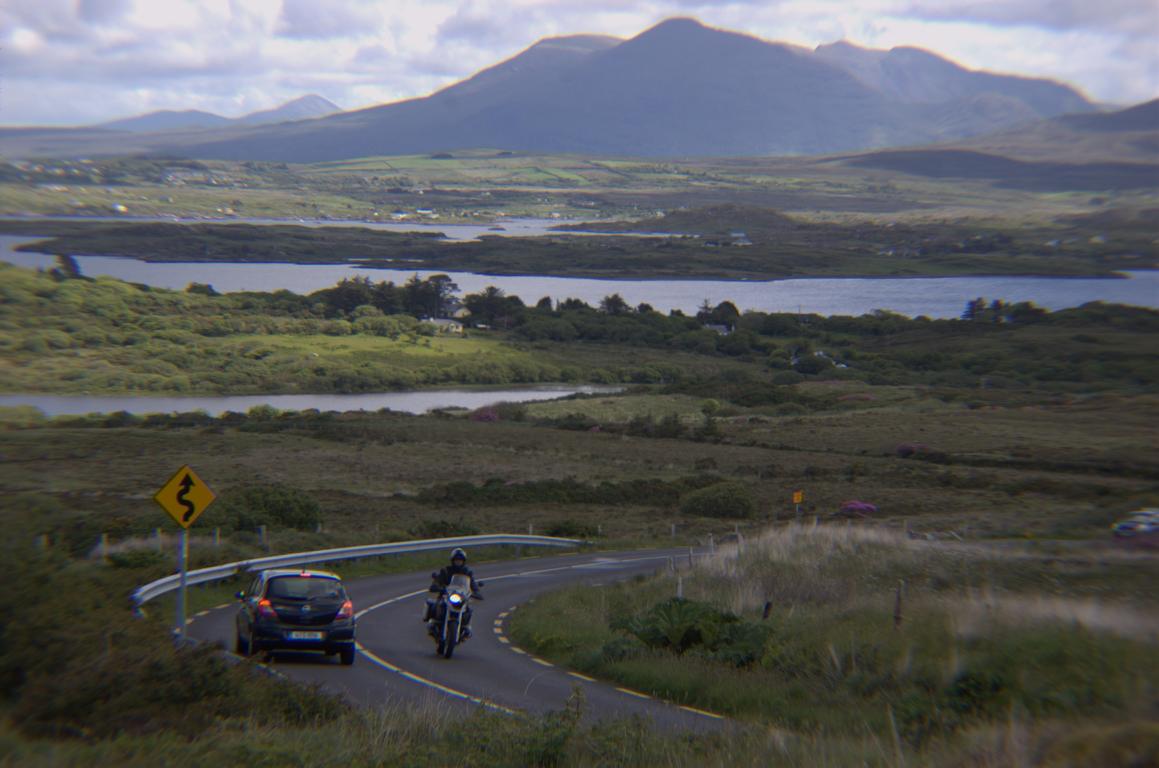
[[443, 578]]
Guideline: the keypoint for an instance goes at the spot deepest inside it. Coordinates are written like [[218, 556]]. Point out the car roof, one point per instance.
[[270, 573]]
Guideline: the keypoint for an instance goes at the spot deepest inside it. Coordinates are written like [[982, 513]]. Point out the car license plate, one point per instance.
[[305, 635]]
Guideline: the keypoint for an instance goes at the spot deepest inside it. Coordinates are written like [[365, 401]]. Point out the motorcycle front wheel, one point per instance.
[[452, 638]]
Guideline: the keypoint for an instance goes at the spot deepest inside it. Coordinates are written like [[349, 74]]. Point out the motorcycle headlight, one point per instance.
[[455, 599]]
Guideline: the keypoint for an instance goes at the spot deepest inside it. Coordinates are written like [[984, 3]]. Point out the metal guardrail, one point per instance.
[[168, 584]]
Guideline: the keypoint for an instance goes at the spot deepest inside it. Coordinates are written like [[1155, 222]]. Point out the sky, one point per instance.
[[76, 62]]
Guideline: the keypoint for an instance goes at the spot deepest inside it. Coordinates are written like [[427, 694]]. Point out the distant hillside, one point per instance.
[[1125, 136], [1143, 117], [913, 75], [303, 108], [1042, 176], [168, 120], [678, 89]]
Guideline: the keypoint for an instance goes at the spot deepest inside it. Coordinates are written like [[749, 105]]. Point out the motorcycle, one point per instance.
[[450, 623]]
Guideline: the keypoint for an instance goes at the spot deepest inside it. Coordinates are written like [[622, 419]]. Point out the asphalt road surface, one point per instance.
[[397, 663]]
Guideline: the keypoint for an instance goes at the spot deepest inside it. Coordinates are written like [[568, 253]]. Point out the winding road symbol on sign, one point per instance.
[[184, 497], [190, 507]]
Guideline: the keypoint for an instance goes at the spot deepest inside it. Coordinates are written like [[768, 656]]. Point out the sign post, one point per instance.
[[798, 497], [184, 497]]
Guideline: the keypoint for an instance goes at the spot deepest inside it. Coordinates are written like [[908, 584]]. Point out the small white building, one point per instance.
[[446, 325]]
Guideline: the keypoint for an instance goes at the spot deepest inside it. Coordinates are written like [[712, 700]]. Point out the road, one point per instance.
[[397, 662]]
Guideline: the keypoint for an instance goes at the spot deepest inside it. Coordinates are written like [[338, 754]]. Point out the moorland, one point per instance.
[[997, 449]]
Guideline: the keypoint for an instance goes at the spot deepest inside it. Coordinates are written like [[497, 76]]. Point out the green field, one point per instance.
[[480, 185]]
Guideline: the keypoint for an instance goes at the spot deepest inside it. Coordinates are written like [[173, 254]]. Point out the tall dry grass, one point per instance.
[[840, 566], [799, 565]]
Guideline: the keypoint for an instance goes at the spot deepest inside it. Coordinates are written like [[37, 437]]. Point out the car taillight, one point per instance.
[[265, 610], [346, 611]]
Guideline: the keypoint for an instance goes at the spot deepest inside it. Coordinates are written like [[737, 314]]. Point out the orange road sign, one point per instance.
[[798, 497], [185, 496]]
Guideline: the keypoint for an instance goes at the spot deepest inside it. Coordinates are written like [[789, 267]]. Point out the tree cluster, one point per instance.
[[432, 297]]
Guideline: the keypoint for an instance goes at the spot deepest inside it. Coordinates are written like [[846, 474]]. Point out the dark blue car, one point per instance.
[[296, 610]]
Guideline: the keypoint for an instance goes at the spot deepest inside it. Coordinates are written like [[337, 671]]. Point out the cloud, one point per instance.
[[103, 11], [1131, 17], [314, 20]]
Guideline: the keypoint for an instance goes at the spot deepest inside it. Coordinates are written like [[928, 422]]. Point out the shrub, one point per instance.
[[282, 505], [442, 529], [721, 500], [136, 558], [685, 626], [813, 365], [678, 624], [511, 411], [572, 529]]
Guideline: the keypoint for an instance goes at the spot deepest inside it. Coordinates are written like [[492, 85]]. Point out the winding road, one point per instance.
[[397, 662]]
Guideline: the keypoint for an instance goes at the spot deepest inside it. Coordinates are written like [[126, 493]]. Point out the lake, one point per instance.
[[935, 297], [406, 402]]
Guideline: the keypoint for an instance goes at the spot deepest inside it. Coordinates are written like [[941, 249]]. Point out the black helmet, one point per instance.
[[457, 554]]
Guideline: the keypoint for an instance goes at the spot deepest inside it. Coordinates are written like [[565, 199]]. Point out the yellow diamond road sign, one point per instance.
[[185, 497]]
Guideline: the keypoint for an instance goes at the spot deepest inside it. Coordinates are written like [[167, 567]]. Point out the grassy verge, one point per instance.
[[983, 636]]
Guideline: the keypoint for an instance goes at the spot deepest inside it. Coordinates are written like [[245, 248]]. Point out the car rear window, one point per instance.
[[304, 587]]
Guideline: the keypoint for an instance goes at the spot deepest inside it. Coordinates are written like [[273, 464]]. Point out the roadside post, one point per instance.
[[184, 498], [798, 497]]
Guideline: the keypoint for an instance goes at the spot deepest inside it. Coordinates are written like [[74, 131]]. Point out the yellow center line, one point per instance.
[[630, 692], [542, 662], [582, 677], [432, 684], [696, 711]]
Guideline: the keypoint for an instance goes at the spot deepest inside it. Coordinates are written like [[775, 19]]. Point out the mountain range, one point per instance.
[[679, 89], [303, 108]]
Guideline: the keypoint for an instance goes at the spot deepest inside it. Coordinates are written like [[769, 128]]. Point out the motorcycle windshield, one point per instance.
[[460, 582]]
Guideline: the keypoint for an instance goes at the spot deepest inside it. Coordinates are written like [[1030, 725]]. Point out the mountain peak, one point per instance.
[[302, 108], [680, 28], [678, 23], [313, 100], [576, 43]]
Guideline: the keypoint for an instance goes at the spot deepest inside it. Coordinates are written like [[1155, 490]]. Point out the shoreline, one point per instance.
[[418, 267], [479, 252]]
